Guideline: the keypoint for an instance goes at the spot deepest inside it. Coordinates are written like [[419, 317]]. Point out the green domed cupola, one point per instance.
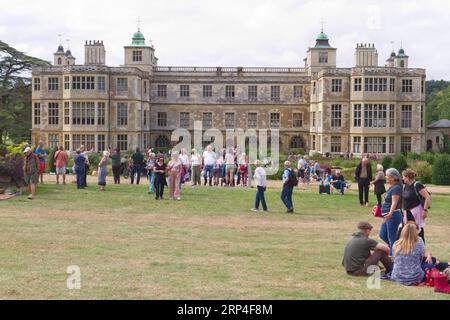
[[322, 41], [322, 37], [138, 39]]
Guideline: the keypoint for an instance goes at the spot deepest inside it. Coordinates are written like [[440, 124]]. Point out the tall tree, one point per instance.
[[15, 93]]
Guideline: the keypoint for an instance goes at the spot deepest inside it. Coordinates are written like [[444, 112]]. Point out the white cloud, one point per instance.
[[234, 32]]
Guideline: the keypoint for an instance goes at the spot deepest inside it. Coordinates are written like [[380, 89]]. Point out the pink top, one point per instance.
[[175, 166], [60, 159]]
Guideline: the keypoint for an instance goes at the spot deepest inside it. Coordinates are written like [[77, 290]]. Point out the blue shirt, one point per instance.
[[286, 173], [40, 152], [79, 161], [407, 268], [395, 190]]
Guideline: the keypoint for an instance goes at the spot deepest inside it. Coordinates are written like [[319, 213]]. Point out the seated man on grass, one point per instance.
[[361, 252], [338, 182]]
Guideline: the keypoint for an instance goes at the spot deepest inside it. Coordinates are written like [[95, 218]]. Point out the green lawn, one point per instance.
[[207, 246]]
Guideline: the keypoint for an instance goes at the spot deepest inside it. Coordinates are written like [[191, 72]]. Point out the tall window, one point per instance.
[[66, 113], [313, 142], [314, 87], [229, 120], [406, 116], [184, 90], [252, 93], [336, 115], [66, 83], [275, 93], [368, 84], [122, 85], [335, 144], [297, 142], [391, 84], [137, 55], [161, 91], [252, 120], [67, 141], [375, 115], [53, 113], [88, 140], [274, 119], [357, 115], [336, 85], [184, 119], [392, 115], [323, 57], [101, 112], [101, 83], [122, 142], [357, 84], [405, 144], [82, 83], [313, 119], [122, 114], [207, 120], [422, 119], [207, 91], [37, 84], [391, 144], [374, 144], [298, 92], [101, 142], [229, 92], [162, 119], [297, 120], [53, 141], [53, 84], [407, 85], [37, 113], [422, 86], [83, 113], [356, 144]]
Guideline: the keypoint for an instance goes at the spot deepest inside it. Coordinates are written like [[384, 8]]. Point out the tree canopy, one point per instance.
[[438, 101], [15, 93]]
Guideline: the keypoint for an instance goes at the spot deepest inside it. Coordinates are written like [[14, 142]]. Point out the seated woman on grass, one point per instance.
[[411, 258]]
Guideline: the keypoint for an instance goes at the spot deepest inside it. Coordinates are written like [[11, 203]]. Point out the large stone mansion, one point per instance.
[[364, 109]]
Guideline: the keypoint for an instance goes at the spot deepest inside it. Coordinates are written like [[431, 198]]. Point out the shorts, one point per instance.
[[61, 170], [32, 178], [42, 166]]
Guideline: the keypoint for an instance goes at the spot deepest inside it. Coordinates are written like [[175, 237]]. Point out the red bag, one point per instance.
[[377, 211]]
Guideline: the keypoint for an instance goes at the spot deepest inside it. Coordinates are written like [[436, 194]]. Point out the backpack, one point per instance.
[[419, 196], [292, 179]]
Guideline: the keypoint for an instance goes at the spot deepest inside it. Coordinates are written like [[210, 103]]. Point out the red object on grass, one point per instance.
[[376, 211], [441, 284]]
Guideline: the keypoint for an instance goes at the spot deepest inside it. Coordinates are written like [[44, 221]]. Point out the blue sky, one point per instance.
[[233, 32]]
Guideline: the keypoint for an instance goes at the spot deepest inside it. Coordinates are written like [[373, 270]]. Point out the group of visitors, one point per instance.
[[404, 211]]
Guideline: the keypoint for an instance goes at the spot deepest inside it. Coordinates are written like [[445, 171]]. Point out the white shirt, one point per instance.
[[195, 160], [260, 177], [229, 158], [209, 158], [301, 163], [184, 159]]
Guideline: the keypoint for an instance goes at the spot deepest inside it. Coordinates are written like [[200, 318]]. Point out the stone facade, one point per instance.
[[318, 107]]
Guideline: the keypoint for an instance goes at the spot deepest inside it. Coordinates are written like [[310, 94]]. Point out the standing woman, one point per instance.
[[195, 165], [391, 208], [80, 169], [102, 170], [184, 159], [378, 183], [416, 201], [160, 178], [243, 170], [116, 165], [175, 168], [150, 173]]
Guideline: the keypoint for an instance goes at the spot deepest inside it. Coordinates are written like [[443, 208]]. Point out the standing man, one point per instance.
[[363, 175], [138, 159], [85, 154], [31, 171], [40, 152], [61, 164], [361, 252], [261, 183], [209, 159], [289, 182]]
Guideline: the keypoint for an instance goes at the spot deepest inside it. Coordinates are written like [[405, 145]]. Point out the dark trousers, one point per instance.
[[379, 201], [260, 198], [286, 197], [159, 188], [116, 173], [363, 187], [373, 260], [81, 176], [86, 170], [136, 171]]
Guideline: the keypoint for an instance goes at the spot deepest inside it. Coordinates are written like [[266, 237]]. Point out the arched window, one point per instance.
[[162, 142], [402, 63], [59, 61], [297, 142]]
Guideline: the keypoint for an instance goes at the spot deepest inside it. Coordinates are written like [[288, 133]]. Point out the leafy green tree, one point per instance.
[[15, 93], [441, 170], [399, 162], [386, 162]]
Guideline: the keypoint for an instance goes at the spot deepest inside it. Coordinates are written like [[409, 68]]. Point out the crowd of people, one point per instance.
[[403, 209]]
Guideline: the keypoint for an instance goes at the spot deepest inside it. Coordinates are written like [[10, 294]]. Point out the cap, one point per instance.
[[364, 226]]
